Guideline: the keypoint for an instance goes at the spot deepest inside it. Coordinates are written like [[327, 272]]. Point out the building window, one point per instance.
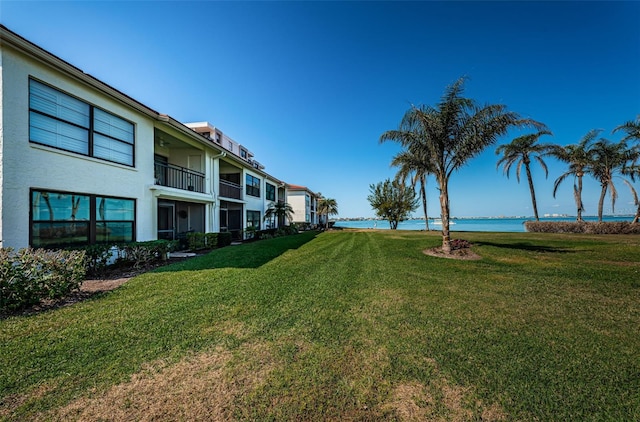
[[253, 219], [270, 192], [62, 121], [61, 219], [243, 153], [253, 186]]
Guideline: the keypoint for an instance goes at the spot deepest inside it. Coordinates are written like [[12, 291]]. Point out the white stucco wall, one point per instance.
[[253, 203], [297, 201], [26, 165]]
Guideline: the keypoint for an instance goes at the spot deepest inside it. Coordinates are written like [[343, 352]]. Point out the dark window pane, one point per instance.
[[114, 232], [56, 234], [270, 192]]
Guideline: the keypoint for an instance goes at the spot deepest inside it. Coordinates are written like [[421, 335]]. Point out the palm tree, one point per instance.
[[633, 171], [609, 162], [450, 134], [279, 211], [578, 156], [413, 166], [631, 128], [520, 152], [327, 207]]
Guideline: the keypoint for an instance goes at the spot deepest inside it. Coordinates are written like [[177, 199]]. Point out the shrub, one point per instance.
[[97, 258], [266, 233], [140, 254], [198, 241], [615, 227], [291, 229], [211, 240], [224, 239], [30, 275], [195, 241]]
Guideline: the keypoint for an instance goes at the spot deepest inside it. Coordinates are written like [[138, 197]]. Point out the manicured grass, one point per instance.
[[346, 325]]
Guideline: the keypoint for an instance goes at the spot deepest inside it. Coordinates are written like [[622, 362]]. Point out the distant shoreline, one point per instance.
[[479, 224]]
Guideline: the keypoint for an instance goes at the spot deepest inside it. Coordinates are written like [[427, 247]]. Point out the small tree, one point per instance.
[[393, 201]]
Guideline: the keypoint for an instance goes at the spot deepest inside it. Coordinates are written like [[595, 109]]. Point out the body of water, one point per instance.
[[468, 224]]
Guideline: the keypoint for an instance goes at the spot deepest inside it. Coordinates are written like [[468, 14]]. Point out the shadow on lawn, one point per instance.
[[526, 247], [247, 255]]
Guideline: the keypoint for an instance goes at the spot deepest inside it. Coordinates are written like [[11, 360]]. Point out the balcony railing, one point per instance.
[[230, 190], [179, 177]]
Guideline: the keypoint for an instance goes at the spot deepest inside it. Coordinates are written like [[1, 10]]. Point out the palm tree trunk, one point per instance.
[[579, 198], [533, 192], [637, 217], [423, 193], [444, 213], [603, 193]]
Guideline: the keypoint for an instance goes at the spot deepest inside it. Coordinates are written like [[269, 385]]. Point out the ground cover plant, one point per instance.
[[348, 325]]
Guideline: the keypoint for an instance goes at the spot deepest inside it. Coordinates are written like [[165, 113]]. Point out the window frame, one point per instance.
[[252, 185], [91, 130], [267, 193], [254, 222], [92, 223]]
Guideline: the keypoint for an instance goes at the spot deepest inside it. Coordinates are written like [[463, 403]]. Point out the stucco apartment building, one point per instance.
[[304, 203], [83, 163]]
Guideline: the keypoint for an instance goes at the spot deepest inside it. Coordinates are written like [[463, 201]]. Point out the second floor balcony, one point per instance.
[[178, 177], [230, 190]]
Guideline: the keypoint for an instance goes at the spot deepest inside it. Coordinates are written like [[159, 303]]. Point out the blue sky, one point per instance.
[[310, 86]]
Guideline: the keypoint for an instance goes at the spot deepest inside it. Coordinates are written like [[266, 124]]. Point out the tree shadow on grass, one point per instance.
[[524, 246], [248, 255]]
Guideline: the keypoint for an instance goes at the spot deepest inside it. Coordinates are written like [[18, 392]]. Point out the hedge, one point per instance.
[[613, 227], [197, 241], [224, 239]]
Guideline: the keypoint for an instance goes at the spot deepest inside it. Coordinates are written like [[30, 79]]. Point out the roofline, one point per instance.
[[40, 54], [302, 188]]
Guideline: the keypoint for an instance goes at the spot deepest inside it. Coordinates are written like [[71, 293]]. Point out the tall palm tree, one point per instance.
[[451, 133], [609, 162], [327, 207], [520, 152], [413, 166], [578, 156], [279, 211]]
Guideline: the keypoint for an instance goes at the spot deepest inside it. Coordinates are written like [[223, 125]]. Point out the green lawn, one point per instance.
[[346, 326]]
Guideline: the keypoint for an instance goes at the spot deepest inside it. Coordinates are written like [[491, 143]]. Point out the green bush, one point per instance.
[[211, 240], [197, 241], [140, 254], [615, 227], [30, 275], [224, 239], [97, 258]]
